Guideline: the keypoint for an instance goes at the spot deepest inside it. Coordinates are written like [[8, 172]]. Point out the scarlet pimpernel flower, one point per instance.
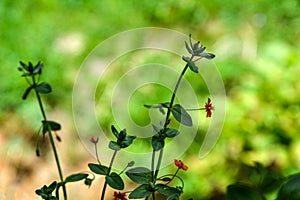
[[119, 196], [208, 108], [94, 140], [180, 165]]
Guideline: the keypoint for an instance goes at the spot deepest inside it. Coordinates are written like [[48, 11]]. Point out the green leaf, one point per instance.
[[51, 187], [170, 132], [54, 126], [27, 91], [114, 131], [76, 177], [191, 64], [158, 142], [140, 175], [38, 68], [174, 197], [122, 134], [188, 48], [166, 190], [127, 141], [242, 192], [208, 56], [115, 181], [98, 169], [290, 189], [114, 146], [142, 191], [165, 179], [181, 115], [24, 66], [43, 88]]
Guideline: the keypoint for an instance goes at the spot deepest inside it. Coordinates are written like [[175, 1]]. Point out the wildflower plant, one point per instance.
[[149, 181]]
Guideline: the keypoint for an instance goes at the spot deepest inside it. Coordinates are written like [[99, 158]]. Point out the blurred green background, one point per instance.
[[258, 52]]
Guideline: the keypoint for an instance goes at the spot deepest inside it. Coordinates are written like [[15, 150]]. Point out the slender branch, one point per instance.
[[109, 169], [167, 121], [51, 140]]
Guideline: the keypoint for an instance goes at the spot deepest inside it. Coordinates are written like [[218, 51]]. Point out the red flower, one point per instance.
[[119, 196], [208, 108], [94, 140], [180, 165]]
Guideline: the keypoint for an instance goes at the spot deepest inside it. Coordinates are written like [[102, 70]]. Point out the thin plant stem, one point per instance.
[[51, 141], [174, 175], [96, 150], [168, 116], [109, 169]]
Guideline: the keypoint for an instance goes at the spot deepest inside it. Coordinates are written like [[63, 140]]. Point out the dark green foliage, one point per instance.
[[181, 115], [242, 192], [46, 191], [123, 140], [140, 175], [98, 169], [290, 189], [115, 181], [141, 191]]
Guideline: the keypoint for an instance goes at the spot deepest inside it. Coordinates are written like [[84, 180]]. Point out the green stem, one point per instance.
[[109, 169], [174, 175], [51, 141], [167, 121]]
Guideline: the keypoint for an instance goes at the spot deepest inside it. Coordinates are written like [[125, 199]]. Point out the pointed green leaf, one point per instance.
[[190, 63], [114, 146], [54, 126], [158, 142], [38, 68], [114, 131], [142, 191], [98, 169], [127, 141], [43, 88], [139, 175], [51, 187], [76, 177], [24, 66], [242, 192], [290, 189], [115, 181], [170, 132], [181, 115], [208, 56], [166, 190], [27, 91], [122, 134], [188, 48]]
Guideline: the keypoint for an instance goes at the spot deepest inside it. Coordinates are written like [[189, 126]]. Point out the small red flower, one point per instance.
[[119, 196], [180, 165], [94, 140], [208, 108]]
